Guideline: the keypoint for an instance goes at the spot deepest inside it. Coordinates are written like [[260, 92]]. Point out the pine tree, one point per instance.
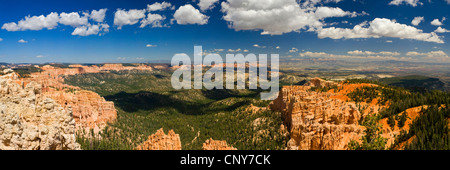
[[372, 140]]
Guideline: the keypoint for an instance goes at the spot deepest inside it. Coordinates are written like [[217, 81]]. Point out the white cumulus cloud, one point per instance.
[[207, 4], [34, 23], [155, 20], [276, 17], [413, 3], [130, 17], [91, 30], [441, 30], [379, 27], [315, 2], [98, 15], [436, 22], [325, 12], [159, 6], [187, 14], [73, 19], [417, 20]]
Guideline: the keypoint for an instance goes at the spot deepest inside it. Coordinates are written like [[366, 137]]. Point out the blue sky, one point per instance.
[[387, 32]]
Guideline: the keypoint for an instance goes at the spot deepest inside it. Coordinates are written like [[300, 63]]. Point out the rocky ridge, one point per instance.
[[90, 110], [31, 121]]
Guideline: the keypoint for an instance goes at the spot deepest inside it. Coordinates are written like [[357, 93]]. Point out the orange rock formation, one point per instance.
[[161, 141], [171, 141], [211, 144], [90, 110], [390, 133], [329, 120], [316, 121]]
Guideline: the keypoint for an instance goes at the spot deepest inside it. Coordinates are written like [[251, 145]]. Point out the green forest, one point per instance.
[[146, 102], [430, 130]]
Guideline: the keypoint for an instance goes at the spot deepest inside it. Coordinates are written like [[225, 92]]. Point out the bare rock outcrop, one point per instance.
[[31, 121], [318, 82], [90, 110], [316, 121], [161, 141], [211, 144]]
